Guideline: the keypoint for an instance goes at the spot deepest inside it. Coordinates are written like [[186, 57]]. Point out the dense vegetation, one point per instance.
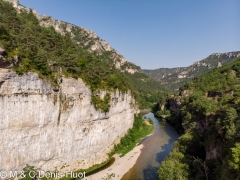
[[139, 130], [163, 112], [210, 146], [50, 54], [147, 91]]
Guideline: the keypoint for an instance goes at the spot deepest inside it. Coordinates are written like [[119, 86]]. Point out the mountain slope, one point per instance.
[[53, 48], [87, 39], [179, 76], [210, 115], [161, 73]]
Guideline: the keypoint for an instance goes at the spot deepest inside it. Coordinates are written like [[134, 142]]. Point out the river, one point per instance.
[[156, 148]]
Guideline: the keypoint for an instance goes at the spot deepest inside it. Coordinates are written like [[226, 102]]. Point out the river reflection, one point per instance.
[[156, 148]]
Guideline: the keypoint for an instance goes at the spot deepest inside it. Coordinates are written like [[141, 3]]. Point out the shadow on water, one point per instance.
[[150, 173], [156, 148], [167, 148]]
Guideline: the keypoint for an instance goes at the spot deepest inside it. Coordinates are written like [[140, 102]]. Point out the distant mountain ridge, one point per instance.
[[159, 74], [174, 78]]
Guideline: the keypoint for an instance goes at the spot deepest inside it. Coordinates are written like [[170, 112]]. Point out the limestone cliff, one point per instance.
[[55, 127], [51, 127]]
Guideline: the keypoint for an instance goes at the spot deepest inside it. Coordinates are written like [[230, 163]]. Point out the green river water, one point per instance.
[[156, 148]]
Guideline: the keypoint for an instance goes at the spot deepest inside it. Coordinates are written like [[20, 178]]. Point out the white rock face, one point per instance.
[[49, 129], [183, 74], [219, 64]]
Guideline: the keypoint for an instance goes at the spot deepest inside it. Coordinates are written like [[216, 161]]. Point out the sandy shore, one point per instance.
[[119, 167]]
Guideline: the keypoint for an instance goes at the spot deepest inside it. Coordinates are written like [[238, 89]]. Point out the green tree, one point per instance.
[[172, 168], [234, 161]]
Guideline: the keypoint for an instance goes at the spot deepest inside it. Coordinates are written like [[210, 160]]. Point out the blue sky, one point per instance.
[[154, 33]]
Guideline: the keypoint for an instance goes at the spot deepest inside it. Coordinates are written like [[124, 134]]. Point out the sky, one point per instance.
[[154, 33]]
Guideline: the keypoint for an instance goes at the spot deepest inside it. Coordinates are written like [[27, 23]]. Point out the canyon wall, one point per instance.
[[52, 127]]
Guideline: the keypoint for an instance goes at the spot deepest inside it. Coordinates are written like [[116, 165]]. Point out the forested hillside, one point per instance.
[[210, 115], [159, 74], [28, 45], [174, 78]]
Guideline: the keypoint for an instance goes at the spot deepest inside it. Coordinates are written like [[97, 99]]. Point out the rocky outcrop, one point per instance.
[[4, 63], [161, 106], [213, 150], [185, 92], [55, 127], [91, 41], [14, 2], [174, 106], [219, 64]]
